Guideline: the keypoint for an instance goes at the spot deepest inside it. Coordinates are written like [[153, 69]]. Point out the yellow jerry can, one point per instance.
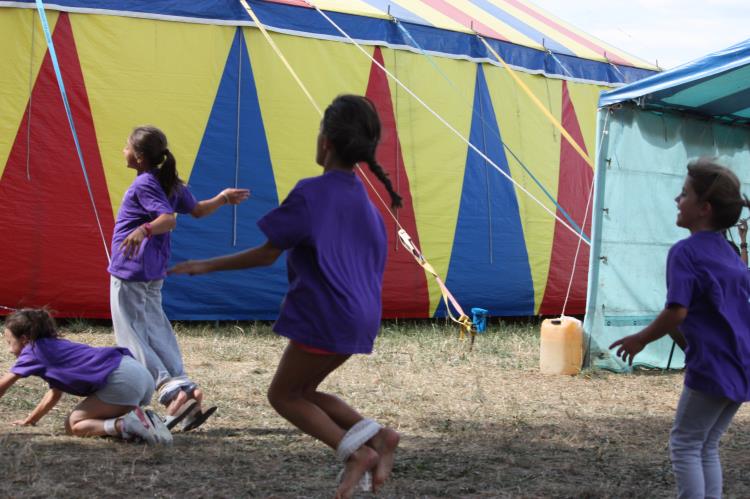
[[561, 346]]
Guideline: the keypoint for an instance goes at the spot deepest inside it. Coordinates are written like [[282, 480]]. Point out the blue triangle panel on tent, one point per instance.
[[244, 294], [489, 265]]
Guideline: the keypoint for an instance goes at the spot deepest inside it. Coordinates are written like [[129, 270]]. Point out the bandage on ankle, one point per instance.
[[110, 427]]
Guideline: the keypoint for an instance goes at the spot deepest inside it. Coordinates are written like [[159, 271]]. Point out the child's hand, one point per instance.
[[22, 422], [190, 267], [629, 347], [235, 196], [742, 229], [131, 244]]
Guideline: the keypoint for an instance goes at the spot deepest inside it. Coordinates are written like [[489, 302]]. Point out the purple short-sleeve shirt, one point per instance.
[[143, 202], [337, 249], [705, 275], [71, 367]]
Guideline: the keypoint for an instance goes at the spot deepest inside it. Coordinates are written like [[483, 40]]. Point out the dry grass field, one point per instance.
[[474, 424]]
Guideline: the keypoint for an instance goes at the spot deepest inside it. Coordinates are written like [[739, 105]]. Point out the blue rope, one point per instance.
[[518, 160], [58, 74]]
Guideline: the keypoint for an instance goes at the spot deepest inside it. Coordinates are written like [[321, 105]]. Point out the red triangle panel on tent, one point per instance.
[[405, 291], [573, 192], [53, 254]]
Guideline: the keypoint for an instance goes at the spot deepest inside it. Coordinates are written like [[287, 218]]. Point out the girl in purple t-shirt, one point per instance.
[[708, 314], [336, 246], [113, 383], [140, 252]]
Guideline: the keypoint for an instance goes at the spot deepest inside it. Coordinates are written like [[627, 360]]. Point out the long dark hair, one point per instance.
[[352, 125], [720, 187], [34, 323], [150, 143]]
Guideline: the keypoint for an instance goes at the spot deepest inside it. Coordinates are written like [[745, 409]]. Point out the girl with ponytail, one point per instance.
[[140, 252], [336, 245]]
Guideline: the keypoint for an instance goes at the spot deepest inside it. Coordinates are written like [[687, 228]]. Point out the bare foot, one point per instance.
[[362, 460], [183, 397], [176, 403], [198, 395], [384, 443]]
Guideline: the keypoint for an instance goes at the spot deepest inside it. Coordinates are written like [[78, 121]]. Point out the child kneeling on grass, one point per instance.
[[113, 383]]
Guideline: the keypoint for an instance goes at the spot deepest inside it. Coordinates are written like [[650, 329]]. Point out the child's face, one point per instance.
[[15, 345], [692, 213], [130, 157]]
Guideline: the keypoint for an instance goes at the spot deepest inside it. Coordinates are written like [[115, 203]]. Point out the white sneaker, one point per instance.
[[163, 435], [137, 425]]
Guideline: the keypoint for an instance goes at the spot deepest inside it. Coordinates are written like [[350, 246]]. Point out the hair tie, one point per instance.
[[166, 151]]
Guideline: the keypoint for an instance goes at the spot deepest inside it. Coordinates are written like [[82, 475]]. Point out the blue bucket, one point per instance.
[[479, 318]]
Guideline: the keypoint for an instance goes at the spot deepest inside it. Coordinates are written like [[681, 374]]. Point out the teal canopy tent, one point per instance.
[[648, 131]]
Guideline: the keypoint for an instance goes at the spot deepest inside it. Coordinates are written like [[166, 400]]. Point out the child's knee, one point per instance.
[[72, 425], [278, 396], [272, 395]]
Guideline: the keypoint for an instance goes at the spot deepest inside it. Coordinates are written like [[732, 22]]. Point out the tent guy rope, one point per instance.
[[458, 91], [63, 93], [445, 122], [462, 320]]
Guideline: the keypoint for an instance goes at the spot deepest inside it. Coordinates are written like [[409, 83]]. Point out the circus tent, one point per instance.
[[466, 72]]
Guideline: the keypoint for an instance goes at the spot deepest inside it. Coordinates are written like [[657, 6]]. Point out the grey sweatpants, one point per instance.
[[694, 443], [142, 327]]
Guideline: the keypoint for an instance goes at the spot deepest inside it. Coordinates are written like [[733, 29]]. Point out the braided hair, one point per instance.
[[352, 125], [150, 143]]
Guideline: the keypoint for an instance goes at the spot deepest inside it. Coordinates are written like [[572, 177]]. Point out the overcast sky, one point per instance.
[[670, 31]]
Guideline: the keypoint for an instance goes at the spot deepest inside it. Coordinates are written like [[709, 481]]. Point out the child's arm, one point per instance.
[[7, 381], [666, 322], [160, 225], [679, 338], [742, 229], [50, 399], [260, 256], [227, 196]]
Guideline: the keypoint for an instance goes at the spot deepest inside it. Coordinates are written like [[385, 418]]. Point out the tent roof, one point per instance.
[[527, 37], [716, 86], [516, 21]]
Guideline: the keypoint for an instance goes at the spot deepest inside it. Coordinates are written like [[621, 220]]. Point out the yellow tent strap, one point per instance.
[[280, 54], [539, 104], [462, 320]]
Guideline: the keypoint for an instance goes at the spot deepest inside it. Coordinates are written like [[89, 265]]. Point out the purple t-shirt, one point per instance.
[[143, 202], [706, 276], [72, 367], [337, 248]]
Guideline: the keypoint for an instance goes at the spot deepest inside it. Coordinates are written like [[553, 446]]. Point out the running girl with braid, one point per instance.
[[336, 244], [140, 253]]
